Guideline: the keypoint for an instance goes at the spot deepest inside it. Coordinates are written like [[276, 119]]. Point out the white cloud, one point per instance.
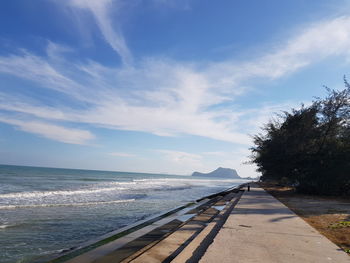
[[56, 51], [100, 10], [41, 71], [120, 154], [178, 156], [215, 153], [187, 161], [312, 44], [51, 131], [146, 100], [166, 97], [237, 159]]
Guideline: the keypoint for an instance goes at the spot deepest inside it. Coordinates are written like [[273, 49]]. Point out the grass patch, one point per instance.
[[340, 224]]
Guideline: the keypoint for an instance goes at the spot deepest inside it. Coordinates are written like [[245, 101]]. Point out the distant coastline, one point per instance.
[[219, 173]]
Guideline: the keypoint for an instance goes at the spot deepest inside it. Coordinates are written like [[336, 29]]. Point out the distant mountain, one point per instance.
[[221, 173]]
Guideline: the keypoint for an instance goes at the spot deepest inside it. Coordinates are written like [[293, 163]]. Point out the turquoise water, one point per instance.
[[47, 210]]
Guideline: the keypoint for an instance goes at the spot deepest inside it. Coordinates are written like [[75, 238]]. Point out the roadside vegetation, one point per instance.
[[308, 148]]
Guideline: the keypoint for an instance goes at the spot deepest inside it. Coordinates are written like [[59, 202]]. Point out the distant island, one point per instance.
[[220, 173]]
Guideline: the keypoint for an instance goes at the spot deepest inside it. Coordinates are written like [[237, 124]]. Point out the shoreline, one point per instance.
[[119, 233]]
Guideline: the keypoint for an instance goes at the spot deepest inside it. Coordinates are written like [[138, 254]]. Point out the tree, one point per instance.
[[310, 146]]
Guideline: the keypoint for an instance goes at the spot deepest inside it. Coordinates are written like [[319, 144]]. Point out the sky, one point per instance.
[[159, 86]]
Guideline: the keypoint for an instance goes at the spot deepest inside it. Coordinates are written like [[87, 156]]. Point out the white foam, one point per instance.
[[186, 180], [103, 192], [4, 226], [37, 194], [6, 207], [110, 186]]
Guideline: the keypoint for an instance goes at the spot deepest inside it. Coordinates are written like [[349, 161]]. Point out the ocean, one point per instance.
[[47, 210]]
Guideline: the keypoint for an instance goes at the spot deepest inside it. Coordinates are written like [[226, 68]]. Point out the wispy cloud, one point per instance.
[[184, 158], [42, 72], [178, 156], [163, 96], [177, 106], [51, 131], [112, 32], [310, 45]]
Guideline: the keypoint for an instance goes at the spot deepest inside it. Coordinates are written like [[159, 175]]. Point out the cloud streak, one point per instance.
[[184, 158], [51, 131], [310, 45], [162, 96], [100, 10]]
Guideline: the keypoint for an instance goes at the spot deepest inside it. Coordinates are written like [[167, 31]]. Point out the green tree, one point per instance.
[[310, 146]]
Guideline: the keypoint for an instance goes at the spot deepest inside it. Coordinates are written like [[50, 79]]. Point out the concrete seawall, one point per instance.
[[231, 226], [144, 233]]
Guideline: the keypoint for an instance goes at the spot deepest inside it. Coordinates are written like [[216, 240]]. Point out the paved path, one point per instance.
[[262, 229]]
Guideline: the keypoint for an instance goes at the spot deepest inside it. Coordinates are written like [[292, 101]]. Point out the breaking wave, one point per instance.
[[2, 207], [101, 193]]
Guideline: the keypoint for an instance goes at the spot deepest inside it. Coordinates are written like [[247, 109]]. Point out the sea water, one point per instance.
[[46, 210]]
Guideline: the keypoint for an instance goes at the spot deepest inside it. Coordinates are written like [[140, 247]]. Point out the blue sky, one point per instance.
[[161, 86]]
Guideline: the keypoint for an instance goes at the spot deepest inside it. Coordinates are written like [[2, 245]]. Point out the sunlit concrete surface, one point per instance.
[[262, 229]]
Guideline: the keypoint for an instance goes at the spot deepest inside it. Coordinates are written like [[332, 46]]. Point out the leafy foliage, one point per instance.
[[309, 147]]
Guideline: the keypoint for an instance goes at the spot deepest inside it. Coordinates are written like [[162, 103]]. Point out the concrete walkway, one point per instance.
[[262, 229]]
